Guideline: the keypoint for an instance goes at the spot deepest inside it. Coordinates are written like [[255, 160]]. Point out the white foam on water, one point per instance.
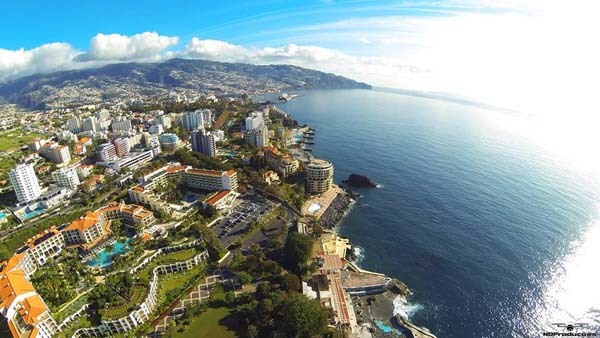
[[359, 253], [379, 186], [404, 309]]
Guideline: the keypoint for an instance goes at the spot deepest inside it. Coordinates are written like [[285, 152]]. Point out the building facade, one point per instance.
[[319, 176], [169, 141], [25, 183], [66, 177], [257, 137], [122, 146], [147, 192], [284, 164], [106, 152], [192, 120], [56, 153], [204, 142]]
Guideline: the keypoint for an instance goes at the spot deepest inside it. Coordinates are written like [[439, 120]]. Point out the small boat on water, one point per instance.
[[286, 97]]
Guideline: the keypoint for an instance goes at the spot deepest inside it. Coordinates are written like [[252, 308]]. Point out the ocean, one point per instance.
[[495, 237]]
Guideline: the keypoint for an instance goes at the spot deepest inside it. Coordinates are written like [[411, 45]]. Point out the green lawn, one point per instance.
[[14, 139], [173, 257], [207, 325]]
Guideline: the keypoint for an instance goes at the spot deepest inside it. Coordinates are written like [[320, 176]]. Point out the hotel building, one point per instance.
[[319, 176], [211, 180], [284, 164]]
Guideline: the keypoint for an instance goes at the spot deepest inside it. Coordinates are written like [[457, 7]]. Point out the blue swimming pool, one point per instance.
[[105, 257], [31, 214], [383, 327]]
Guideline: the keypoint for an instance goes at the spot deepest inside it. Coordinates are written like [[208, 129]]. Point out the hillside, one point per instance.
[[128, 81]]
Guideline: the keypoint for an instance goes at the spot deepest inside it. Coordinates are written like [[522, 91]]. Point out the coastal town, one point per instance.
[[146, 218]]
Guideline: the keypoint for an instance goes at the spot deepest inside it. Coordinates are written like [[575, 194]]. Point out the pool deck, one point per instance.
[[324, 200]]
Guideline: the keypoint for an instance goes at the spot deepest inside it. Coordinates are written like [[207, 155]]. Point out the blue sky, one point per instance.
[[492, 51], [33, 23]]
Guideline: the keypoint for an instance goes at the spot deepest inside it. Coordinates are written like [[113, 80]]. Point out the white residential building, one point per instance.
[[257, 137], [165, 121], [156, 129], [56, 153], [121, 123], [106, 152], [254, 120], [103, 114], [66, 177], [192, 120], [207, 118], [25, 183], [133, 160]]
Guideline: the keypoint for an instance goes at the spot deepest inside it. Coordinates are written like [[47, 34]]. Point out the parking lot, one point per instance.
[[248, 209]]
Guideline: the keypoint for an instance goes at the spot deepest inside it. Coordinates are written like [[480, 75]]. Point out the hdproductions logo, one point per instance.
[[571, 330]]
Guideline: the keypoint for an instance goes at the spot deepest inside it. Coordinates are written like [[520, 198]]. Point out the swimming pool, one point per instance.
[[31, 214], [383, 327], [104, 258]]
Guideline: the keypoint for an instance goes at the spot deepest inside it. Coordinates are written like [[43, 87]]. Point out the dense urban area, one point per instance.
[[185, 216]]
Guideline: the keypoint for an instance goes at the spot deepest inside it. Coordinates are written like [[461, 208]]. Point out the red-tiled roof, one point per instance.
[[217, 197], [204, 172]]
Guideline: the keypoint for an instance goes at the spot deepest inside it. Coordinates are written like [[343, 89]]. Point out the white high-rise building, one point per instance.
[[207, 117], [122, 146], [56, 153], [156, 129], [25, 183], [66, 177], [254, 120], [257, 137], [106, 152], [151, 141], [192, 120], [165, 121], [121, 123]]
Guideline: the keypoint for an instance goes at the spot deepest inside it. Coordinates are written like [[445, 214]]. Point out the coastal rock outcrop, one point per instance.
[[359, 181], [334, 213]]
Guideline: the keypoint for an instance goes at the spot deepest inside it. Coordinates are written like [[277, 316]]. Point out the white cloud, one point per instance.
[[104, 49], [375, 70], [144, 46], [215, 50], [44, 59]]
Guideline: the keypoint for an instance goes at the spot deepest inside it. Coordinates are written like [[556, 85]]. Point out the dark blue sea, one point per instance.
[[495, 237]]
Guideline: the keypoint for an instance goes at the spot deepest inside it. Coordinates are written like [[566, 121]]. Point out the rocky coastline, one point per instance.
[[336, 210], [374, 309], [359, 181]]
